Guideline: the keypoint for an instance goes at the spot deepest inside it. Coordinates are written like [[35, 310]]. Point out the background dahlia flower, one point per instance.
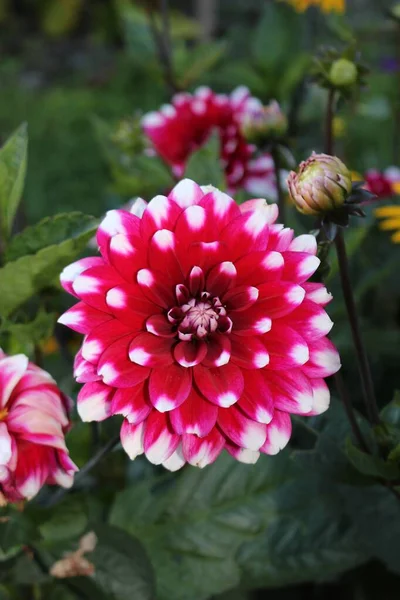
[[383, 184], [200, 328], [182, 127], [33, 420]]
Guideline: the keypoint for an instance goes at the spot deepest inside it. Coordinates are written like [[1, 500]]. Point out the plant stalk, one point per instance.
[[92, 462], [363, 364], [280, 194], [162, 41], [329, 122]]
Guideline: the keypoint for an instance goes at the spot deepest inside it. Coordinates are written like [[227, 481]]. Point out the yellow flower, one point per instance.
[[325, 5], [390, 216]]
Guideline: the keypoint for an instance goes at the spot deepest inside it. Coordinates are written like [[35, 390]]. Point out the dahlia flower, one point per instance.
[[321, 184], [326, 6], [181, 128], [383, 184], [390, 216], [33, 420], [200, 328], [264, 122]]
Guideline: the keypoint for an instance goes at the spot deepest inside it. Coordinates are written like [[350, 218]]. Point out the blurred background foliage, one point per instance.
[[75, 70]]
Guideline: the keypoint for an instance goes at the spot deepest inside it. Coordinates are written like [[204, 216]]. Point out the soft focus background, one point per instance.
[[76, 70]]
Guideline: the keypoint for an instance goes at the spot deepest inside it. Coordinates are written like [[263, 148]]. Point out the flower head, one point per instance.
[[326, 6], [383, 184], [33, 420], [264, 122], [390, 216], [321, 185], [200, 328], [182, 127]]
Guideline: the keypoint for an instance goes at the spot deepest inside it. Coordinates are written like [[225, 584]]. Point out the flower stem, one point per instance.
[[344, 396], [362, 358], [162, 41], [281, 195], [92, 462], [329, 122]]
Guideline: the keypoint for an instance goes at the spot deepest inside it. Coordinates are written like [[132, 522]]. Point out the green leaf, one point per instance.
[[122, 566], [65, 521], [22, 278], [15, 530], [33, 332], [13, 158], [375, 511], [204, 529], [49, 231], [371, 465], [193, 64], [204, 166]]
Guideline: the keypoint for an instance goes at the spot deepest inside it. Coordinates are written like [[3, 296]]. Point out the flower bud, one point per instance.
[[321, 185], [264, 122], [343, 72]]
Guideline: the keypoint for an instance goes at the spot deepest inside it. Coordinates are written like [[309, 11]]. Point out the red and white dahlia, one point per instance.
[[33, 420], [200, 328], [180, 128]]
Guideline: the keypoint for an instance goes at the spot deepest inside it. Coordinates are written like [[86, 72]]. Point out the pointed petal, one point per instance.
[[279, 298], [291, 391], [304, 243], [241, 430], [115, 222], [169, 386], [299, 266], [129, 305], [218, 351], [241, 297], [310, 320], [287, 349], [221, 278], [159, 325], [94, 401], [190, 354], [149, 350], [257, 400], [259, 267], [127, 255], [132, 438], [321, 397], [101, 337], [83, 318], [222, 386], [243, 455], [160, 441], [132, 403], [117, 369], [278, 433], [221, 209], [93, 284], [175, 461], [84, 371], [72, 271], [251, 355], [161, 213], [186, 193], [162, 255], [12, 368], [324, 359], [155, 288], [317, 292], [195, 415], [201, 452]]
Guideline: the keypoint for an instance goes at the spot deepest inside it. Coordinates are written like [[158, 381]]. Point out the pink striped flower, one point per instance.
[[200, 328], [33, 420], [179, 129]]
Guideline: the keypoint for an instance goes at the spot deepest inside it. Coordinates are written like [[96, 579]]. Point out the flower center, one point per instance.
[[198, 316], [3, 413]]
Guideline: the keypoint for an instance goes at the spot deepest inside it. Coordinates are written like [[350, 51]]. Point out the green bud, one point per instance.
[[343, 73]]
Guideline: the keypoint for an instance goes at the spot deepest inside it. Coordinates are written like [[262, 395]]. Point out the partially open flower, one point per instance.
[[264, 123], [321, 185], [33, 420], [200, 328]]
